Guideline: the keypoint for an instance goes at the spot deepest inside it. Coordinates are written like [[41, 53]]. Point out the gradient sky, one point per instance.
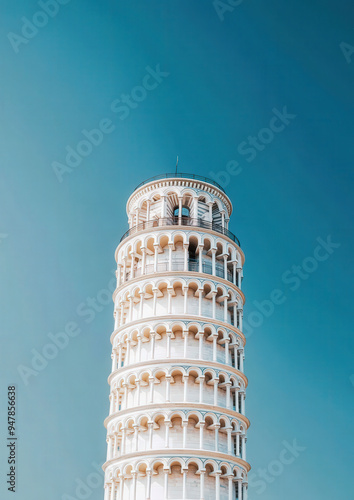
[[57, 239]]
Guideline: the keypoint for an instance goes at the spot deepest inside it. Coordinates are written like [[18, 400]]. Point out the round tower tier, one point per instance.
[[177, 425]]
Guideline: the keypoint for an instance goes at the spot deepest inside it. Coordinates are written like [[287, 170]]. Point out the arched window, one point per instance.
[[185, 212]]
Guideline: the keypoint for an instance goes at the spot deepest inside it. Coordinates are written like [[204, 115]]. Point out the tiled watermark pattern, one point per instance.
[[121, 106], [88, 310], [84, 488], [348, 51], [260, 479], [251, 147], [221, 7], [292, 277], [31, 27]]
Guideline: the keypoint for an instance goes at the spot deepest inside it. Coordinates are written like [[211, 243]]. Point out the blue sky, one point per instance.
[[224, 75]]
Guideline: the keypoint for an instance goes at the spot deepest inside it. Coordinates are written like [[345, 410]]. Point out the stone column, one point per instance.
[[170, 247], [168, 347], [152, 351], [134, 474], [202, 472], [243, 403], [201, 339], [121, 486], [180, 199], [225, 265], [210, 211], [201, 387], [137, 382], [185, 387], [243, 456], [225, 308], [127, 356], [214, 346], [115, 445], [151, 430], [200, 301], [130, 308], [166, 484], [216, 427], [238, 444], [148, 486], [216, 383], [184, 483], [228, 395], [169, 300], [124, 269], [123, 440], [136, 436], [141, 305], [163, 207], [185, 246], [185, 343], [116, 319], [154, 291], [119, 355], [240, 489], [195, 207], [200, 258], [214, 304], [234, 274], [151, 382], [184, 430], [185, 298], [237, 409], [213, 261], [241, 319], [168, 382], [229, 443], [156, 247], [201, 434], [217, 485], [230, 492]]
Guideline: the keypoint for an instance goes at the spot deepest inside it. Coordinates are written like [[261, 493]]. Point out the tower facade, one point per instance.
[[177, 427]]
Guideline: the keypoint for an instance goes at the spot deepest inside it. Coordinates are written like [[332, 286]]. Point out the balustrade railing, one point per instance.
[[178, 265], [180, 221]]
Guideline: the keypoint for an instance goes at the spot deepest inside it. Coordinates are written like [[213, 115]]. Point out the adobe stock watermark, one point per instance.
[[292, 277], [30, 27], [221, 7], [254, 144], [347, 51], [121, 107], [88, 310], [84, 488], [260, 479], [3, 237]]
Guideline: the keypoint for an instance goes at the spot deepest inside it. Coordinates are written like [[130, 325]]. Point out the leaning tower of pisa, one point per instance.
[[177, 427]]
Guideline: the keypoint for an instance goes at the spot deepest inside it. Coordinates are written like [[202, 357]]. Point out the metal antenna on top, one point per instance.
[[176, 165]]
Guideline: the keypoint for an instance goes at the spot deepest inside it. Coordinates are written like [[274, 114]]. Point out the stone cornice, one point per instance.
[[203, 455], [186, 274], [178, 318], [188, 406], [174, 362]]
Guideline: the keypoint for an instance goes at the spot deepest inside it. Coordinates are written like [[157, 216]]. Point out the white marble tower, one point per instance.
[[177, 427]]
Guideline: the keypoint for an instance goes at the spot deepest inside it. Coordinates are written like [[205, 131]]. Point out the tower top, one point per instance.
[[183, 176]]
